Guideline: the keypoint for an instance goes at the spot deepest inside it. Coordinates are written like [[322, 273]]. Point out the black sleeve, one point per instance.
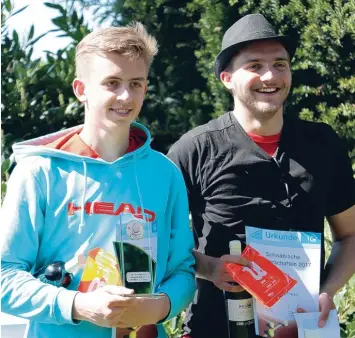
[[185, 155], [342, 192]]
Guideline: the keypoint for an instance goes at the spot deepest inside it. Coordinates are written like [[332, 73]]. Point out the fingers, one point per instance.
[[122, 302], [118, 313], [300, 310], [117, 296], [224, 276], [221, 277], [325, 305], [236, 259], [225, 282], [322, 319], [124, 320], [117, 290], [116, 318]]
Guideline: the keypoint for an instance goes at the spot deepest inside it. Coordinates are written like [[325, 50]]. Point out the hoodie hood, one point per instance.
[[38, 147]]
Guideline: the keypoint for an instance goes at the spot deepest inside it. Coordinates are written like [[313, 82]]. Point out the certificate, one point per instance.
[[298, 255], [307, 324]]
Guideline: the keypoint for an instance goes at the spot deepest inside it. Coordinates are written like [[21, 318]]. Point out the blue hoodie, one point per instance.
[[60, 204]]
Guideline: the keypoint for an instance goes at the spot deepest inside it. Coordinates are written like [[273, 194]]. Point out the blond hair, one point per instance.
[[132, 41]]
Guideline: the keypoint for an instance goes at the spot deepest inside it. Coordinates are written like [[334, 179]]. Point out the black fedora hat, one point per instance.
[[252, 27]]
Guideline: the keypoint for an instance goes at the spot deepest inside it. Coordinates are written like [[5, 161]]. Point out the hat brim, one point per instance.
[[223, 58]]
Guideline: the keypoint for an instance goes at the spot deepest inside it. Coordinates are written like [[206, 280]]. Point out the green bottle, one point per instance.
[[239, 306]]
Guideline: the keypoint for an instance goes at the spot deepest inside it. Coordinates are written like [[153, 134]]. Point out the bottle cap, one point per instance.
[[235, 247]]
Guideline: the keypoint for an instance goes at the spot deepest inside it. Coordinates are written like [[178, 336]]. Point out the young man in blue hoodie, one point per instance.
[[69, 191]]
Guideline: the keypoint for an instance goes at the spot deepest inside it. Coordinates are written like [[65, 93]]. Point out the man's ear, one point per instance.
[[226, 78], [79, 90]]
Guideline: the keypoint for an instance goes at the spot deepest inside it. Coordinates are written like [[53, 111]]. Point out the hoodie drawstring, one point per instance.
[[81, 225], [145, 222]]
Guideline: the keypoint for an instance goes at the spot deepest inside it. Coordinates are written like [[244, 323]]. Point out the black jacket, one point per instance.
[[232, 182]]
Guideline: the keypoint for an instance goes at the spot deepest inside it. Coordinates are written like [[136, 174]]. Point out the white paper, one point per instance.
[[298, 255], [307, 325]]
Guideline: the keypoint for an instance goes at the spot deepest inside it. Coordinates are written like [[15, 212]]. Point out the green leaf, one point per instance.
[[61, 22], [74, 18], [37, 38], [3, 188], [30, 53], [8, 5], [15, 37], [81, 20], [56, 6], [19, 11], [5, 166], [30, 34], [41, 36]]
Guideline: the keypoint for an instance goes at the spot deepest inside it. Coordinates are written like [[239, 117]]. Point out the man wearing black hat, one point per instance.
[[253, 166]]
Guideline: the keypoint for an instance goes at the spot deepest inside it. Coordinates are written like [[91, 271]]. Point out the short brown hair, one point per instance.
[[132, 41]]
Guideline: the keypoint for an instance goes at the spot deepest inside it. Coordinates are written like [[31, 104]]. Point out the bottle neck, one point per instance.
[[235, 247]]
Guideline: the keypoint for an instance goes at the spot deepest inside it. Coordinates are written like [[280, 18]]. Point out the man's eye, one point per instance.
[[254, 66], [280, 65], [136, 85], [111, 83]]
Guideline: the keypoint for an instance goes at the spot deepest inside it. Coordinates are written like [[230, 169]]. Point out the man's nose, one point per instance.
[[267, 75], [124, 95]]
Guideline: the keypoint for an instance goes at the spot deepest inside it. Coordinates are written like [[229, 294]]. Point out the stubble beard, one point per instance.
[[261, 111]]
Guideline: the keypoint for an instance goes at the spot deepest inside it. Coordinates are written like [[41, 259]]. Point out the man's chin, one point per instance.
[[118, 123], [267, 112]]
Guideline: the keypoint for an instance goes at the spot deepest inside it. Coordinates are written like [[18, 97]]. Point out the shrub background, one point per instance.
[[37, 97]]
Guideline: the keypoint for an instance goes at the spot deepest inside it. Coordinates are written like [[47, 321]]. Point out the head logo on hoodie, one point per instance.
[[107, 208]]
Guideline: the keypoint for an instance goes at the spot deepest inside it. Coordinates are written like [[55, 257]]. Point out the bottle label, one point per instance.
[[240, 310]]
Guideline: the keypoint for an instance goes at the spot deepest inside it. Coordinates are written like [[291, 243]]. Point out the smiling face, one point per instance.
[[259, 78], [113, 90]]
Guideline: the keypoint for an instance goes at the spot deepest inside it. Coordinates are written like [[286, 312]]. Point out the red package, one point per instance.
[[264, 281]]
